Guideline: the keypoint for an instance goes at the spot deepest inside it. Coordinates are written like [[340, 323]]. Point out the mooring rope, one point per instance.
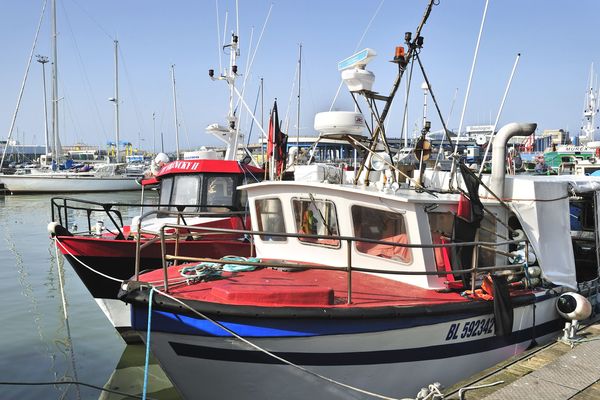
[[112, 278], [148, 344]]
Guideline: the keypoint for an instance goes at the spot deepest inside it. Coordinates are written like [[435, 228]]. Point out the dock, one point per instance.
[[556, 371]]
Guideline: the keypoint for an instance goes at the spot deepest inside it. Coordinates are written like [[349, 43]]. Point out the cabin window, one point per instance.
[[269, 215], [316, 217], [165, 191], [370, 223], [220, 193], [185, 192]]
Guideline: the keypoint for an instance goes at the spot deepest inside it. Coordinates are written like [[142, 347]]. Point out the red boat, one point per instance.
[[195, 192]]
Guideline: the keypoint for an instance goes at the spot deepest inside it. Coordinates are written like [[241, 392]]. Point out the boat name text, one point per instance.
[[470, 328]]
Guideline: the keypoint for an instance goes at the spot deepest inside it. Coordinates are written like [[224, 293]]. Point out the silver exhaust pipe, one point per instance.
[[499, 152]]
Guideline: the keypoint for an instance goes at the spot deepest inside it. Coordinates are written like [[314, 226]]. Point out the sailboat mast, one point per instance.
[[55, 151], [116, 100], [175, 111], [298, 113]]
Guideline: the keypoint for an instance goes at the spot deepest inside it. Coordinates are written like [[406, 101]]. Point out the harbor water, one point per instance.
[[48, 335]]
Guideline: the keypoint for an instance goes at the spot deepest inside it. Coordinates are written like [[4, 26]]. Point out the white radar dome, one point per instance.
[[332, 123]]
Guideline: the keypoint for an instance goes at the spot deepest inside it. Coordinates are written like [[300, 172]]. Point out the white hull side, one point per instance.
[[63, 183], [420, 355]]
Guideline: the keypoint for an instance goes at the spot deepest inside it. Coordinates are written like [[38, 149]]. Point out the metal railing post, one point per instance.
[[163, 249], [138, 250], [475, 261], [349, 269]]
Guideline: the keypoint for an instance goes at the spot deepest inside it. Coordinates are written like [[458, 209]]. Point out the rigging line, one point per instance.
[[462, 116], [437, 107], [182, 123], [337, 93], [249, 67], [252, 121], [20, 97], [275, 356], [286, 119], [104, 31], [491, 141], [437, 158], [88, 85], [138, 115]]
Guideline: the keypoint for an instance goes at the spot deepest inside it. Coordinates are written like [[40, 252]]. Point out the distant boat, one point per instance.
[[103, 178]]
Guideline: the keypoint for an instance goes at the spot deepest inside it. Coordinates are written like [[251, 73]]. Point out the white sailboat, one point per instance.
[[103, 178]]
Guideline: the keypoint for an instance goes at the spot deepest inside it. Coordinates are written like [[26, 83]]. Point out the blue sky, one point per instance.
[[557, 41]]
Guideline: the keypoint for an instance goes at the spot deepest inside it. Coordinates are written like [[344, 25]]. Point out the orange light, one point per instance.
[[399, 52]]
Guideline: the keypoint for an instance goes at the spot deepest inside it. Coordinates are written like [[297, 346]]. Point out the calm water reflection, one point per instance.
[[37, 342]]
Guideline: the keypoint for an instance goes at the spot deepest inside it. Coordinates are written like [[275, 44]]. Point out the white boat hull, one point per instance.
[[396, 362], [67, 183]]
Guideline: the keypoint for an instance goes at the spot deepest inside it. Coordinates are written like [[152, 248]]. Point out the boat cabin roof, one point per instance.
[[206, 166]]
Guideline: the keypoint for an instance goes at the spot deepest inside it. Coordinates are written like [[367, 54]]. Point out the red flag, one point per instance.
[[273, 120], [276, 142]]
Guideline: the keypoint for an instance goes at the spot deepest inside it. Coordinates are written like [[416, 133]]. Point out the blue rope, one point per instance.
[[147, 344]]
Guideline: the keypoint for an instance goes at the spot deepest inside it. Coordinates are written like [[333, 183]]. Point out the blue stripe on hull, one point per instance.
[[293, 327], [367, 357]]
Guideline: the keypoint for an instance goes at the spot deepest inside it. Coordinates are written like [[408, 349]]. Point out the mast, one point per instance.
[[229, 135], [298, 113], [590, 109], [116, 101], [56, 144], [175, 111]]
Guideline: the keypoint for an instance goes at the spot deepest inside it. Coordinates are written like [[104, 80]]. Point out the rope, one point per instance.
[[17, 383], [82, 263], [265, 351], [170, 282], [59, 271], [148, 344]]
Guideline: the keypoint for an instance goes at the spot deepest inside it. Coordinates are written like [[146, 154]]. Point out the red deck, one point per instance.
[[307, 288]]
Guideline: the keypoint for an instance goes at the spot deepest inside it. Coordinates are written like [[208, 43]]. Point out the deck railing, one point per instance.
[[63, 207], [473, 271]]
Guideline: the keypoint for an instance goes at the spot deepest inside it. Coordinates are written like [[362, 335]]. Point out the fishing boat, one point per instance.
[[357, 291], [371, 288], [200, 191]]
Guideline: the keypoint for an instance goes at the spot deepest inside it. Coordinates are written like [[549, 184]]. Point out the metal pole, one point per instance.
[[55, 155], [175, 111], [154, 133], [43, 60], [116, 100], [349, 269], [262, 118], [298, 117]]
